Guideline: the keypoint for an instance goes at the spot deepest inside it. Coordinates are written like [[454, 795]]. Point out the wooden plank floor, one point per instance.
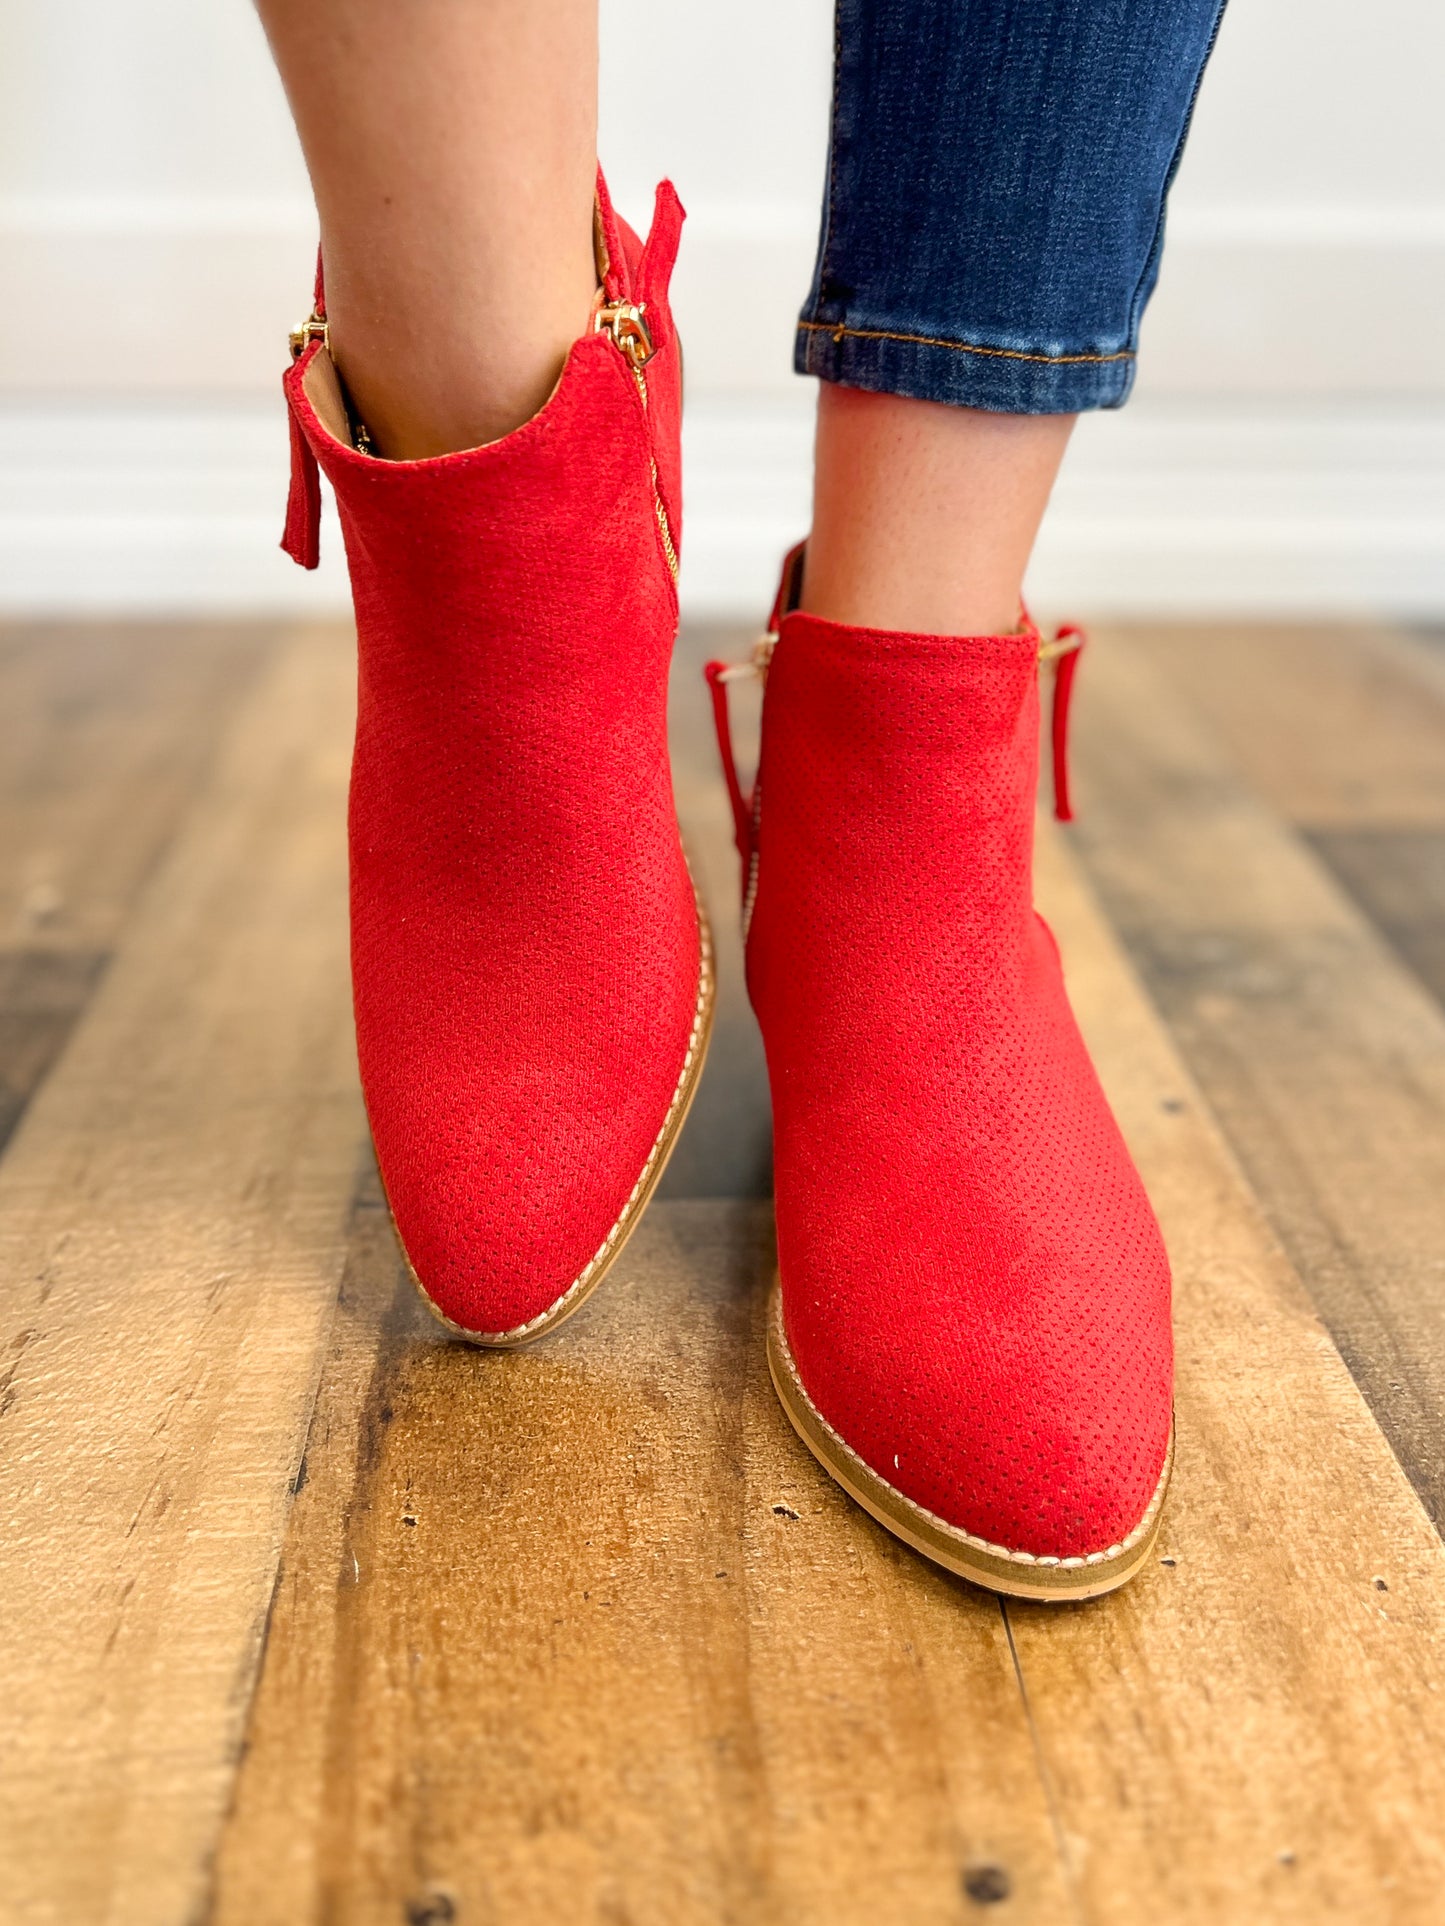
[[1260, 811], [311, 1615]]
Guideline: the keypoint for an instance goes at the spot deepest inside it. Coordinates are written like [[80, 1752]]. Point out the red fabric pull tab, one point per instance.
[[659, 255], [301, 537], [618, 277], [1065, 665], [722, 722]]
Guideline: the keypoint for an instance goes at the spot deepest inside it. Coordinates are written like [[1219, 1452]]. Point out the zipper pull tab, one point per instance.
[[301, 537], [719, 675], [314, 328], [1064, 652], [626, 322]]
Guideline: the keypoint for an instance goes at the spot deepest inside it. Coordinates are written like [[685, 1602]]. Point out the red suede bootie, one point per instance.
[[532, 976], [971, 1329]]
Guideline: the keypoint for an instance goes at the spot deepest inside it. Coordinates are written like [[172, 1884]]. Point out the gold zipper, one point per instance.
[[755, 669], [626, 323], [313, 328], [316, 328]]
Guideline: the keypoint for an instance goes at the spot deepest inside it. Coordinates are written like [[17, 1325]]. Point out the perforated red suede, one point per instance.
[[975, 1290], [525, 940]]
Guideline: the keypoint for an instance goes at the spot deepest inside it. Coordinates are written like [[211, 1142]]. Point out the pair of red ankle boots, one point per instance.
[[971, 1322]]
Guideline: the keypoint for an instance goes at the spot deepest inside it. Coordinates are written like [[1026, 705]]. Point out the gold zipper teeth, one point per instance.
[[664, 527], [659, 507], [607, 321]]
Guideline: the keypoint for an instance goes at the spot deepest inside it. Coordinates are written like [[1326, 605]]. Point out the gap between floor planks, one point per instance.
[[1321, 1053], [1342, 730], [527, 1697], [1029, 1851], [109, 729], [172, 1219]]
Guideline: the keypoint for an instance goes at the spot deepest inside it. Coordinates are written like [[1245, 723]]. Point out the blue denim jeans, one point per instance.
[[995, 200]]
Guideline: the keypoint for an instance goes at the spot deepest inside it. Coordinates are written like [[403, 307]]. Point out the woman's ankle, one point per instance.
[[453, 154], [432, 369], [924, 514]]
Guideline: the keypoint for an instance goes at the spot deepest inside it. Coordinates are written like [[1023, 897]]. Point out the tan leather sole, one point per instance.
[[582, 1287], [1018, 1574]]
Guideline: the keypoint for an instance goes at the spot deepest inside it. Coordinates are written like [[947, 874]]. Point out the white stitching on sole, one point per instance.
[[608, 1248], [956, 1531]]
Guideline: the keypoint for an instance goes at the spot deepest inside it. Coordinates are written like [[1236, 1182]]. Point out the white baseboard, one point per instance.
[[167, 509], [193, 294], [1160, 509]]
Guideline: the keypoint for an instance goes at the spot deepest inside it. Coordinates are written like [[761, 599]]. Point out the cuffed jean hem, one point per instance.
[[1004, 381]]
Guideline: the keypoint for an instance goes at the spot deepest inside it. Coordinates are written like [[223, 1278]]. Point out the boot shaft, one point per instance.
[[551, 553], [517, 601], [909, 757]]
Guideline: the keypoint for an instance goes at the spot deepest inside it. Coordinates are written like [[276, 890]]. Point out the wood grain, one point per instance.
[[1343, 731], [727, 1148], [171, 1227], [1335, 725], [109, 727], [1323, 1057], [1257, 1731], [605, 1647], [583, 1632], [42, 992], [108, 731], [1397, 876], [608, 1645]]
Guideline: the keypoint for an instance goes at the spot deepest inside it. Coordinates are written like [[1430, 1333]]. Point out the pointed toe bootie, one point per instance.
[[972, 1324], [531, 970]]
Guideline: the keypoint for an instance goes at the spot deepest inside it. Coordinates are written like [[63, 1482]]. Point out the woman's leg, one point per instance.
[[532, 978], [453, 152], [991, 236], [924, 515], [972, 1320]]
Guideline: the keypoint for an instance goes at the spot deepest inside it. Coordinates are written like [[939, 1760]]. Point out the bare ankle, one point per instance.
[[432, 375], [925, 515]]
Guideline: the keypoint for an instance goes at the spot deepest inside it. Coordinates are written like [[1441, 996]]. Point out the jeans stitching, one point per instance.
[[815, 299], [838, 331], [1156, 245]]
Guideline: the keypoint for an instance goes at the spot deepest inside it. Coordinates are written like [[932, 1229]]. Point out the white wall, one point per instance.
[[1286, 448]]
